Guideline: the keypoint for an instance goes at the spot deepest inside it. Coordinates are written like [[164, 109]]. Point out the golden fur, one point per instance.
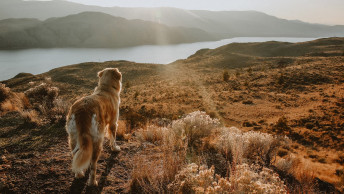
[[87, 119]]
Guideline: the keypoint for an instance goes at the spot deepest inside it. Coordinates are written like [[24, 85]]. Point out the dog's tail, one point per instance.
[[82, 158], [83, 155]]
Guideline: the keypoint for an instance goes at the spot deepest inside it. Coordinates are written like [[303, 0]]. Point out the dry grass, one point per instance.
[[153, 172], [151, 134], [12, 101], [30, 117], [123, 133]]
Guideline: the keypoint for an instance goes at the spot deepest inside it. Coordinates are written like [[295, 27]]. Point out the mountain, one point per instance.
[[92, 29], [222, 24]]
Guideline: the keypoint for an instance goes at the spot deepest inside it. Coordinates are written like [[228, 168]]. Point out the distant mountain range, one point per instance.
[[207, 25], [92, 29]]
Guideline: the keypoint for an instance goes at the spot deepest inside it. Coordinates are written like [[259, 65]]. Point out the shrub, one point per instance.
[[122, 132], [153, 175], [30, 117], [4, 92], [247, 124], [43, 94], [225, 76], [127, 85], [151, 134], [309, 125], [252, 147], [250, 179], [231, 143], [7, 106], [195, 179], [250, 102], [12, 101], [136, 94], [244, 179], [195, 126], [44, 98], [147, 176], [167, 170], [282, 125], [57, 113], [286, 164]]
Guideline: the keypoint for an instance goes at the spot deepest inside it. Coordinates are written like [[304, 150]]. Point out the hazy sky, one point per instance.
[[315, 11]]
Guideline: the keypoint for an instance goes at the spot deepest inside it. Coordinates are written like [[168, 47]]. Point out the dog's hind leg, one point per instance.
[[72, 140], [112, 133], [97, 148], [72, 134]]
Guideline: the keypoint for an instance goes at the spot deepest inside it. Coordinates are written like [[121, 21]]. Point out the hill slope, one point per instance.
[[298, 96], [92, 29], [219, 23]]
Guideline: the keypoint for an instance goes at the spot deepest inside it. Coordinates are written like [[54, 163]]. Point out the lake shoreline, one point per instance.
[[40, 60]]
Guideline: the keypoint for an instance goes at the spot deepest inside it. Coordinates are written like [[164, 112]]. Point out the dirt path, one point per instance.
[[49, 171]]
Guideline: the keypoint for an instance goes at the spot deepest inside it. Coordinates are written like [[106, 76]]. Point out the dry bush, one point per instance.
[[12, 101], [302, 171], [44, 98], [262, 147], [195, 126], [43, 93], [7, 106], [231, 144], [147, 176], [30, 117], [225, 76], [152, 175], [122, 132], [286, 164], [194, 179], [251, 147], [244, 179], [4, 92], [151, 134], [254, 179], [57, 113], [282, 125]]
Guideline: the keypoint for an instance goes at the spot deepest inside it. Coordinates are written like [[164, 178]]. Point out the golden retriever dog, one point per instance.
[[87, 119]]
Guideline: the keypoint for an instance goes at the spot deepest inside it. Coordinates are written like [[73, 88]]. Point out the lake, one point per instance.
[[38, 61]]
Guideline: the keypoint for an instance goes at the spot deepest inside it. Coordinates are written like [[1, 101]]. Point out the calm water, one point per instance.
[[37, 61]]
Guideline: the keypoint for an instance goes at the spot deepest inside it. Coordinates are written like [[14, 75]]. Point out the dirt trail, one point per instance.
[[49, 171]]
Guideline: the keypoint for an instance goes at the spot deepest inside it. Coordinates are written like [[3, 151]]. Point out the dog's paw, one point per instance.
[[92, 182], [79, 175], [115, 148]]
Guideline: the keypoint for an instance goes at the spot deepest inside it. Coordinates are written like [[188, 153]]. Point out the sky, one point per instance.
[[314, 11]]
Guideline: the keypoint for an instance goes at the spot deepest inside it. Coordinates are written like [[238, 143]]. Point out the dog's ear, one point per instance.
[[100, 73], [117, 75]]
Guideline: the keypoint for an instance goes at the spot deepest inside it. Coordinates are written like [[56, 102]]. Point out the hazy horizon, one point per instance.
[[315, 11]]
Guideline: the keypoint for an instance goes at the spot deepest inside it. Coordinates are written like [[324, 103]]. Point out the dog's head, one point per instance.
[[110, 77]]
